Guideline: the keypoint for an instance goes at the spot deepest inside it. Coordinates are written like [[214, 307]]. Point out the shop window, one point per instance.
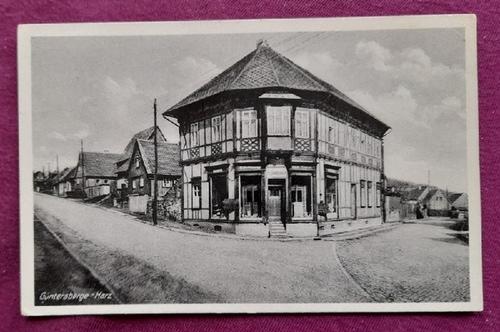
[[302, 124], [219, 193], [331, 193], [196, 192], [249, 124], [362, 192], [301, 196], [251, 196], [278, 120], [216, 129]]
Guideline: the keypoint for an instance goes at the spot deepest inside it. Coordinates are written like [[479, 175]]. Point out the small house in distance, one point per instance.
[[459, 201], [123, 162], [95, 173], [141, 169], [277, 141]]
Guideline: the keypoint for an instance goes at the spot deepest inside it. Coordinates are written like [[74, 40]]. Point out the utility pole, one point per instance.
[[83, 173], [155, 185], [57, 165]]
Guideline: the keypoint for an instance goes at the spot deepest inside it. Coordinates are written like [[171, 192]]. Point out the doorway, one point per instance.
[[276, 199]]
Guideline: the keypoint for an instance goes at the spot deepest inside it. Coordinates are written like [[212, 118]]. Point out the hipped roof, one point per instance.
[[265, 68], [168, 157]]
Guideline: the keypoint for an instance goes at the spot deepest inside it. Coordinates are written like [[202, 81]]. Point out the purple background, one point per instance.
[[14, 12]]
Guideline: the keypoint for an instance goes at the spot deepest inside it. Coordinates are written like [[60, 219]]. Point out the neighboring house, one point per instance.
[[416, 195], [437, 203], [98, 176], [459, 200], [275, 141], [67, 181], [38, 181], [59, 182], [141, 172], [123, 162]]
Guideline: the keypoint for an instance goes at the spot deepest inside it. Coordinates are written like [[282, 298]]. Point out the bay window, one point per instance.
[[302, 124], [278, 120], [195, 141], [216, 129], [249, 124]]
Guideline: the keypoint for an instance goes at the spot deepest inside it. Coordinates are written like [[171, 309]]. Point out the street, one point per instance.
[[261, 271]]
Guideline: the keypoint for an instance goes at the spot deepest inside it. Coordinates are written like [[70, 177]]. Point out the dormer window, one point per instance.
[[278, 120]]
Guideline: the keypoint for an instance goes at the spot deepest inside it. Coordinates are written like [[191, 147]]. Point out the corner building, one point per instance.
[[279, 141]]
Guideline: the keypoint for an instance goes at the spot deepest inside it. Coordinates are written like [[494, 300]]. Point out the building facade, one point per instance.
[[140, 172], [278, 142]]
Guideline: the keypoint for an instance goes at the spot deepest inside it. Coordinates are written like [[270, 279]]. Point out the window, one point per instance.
[[331, 134], [106, 181], [278, 120], [166, 183], [362, 188], [137, 161], [134, 183], [248, 124], [370, 193], [141, 182], [97, 181], [195, 140], [216, 129], [196, 188], [379, 196], [302, 124], [251, 196], [219, 193], [301, 197]]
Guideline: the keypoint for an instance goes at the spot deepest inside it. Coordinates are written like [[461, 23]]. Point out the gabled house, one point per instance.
[[269, 142], [38, 181], [141, 168], [67, 181], [437, 203], [95, 173], [123, 162], [416, 195], [459, 201], [59, 181]]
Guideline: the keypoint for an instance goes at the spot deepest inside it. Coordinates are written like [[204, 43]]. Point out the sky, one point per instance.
[[101, 89]]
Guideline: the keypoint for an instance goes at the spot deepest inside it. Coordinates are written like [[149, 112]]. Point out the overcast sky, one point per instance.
[[101, 89]]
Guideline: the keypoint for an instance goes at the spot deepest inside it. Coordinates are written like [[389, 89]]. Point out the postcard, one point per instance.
[[253, 166]]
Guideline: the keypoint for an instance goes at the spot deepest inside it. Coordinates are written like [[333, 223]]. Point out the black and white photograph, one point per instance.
[[298, 165]]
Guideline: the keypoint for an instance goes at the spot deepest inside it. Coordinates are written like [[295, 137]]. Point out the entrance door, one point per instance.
[[275, 201], [353, 200]]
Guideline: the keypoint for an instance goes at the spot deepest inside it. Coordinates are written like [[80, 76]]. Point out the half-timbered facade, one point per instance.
[[279, 142]]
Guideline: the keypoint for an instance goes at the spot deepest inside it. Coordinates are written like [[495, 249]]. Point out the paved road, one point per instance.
[[415, 262], [242, 271]]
